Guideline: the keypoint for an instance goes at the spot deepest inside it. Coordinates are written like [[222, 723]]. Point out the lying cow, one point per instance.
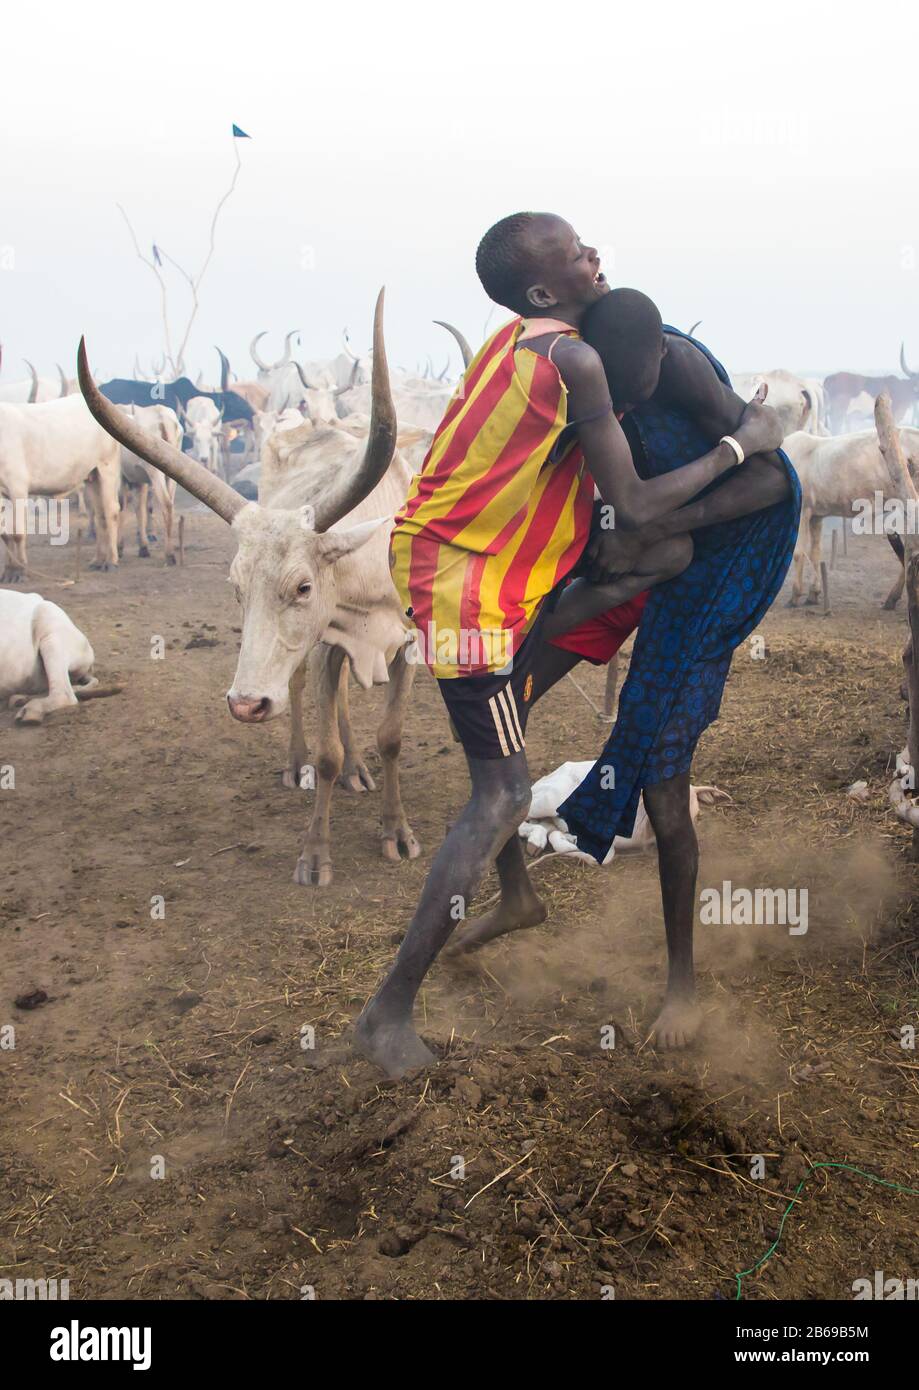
[[45, 661], [838, 472]]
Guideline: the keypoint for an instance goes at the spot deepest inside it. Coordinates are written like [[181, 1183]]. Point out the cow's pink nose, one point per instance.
[[247, 709]]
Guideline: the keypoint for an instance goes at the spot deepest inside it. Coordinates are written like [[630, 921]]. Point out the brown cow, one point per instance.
[[844, 389]]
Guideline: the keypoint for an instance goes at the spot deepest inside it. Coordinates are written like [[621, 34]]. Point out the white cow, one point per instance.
[[291, 383], [43, 655], [203, 420], [34, 388], [140, 479], [837, 472], [312, 576], [796, 401], [49, 450]]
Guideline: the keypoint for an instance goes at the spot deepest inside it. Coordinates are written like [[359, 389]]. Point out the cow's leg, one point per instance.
[[815, 555], [165, 497], [15, 567], [62, 654], [355, 776], [797, 583], [141, 499], [398, 836], [896, 545], [297, 752], [314, 867], [102, 488], [126, 494]]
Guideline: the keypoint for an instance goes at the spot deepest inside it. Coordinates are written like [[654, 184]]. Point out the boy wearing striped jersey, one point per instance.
[[498, 516]]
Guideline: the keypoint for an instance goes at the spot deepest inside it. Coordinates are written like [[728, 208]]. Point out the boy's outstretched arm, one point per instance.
[[689, 381], [637, 501]]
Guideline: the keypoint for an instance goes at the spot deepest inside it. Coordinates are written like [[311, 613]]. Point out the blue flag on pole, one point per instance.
[[240, 134]]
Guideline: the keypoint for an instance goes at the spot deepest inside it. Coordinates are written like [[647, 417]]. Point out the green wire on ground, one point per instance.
[[881, 1182]]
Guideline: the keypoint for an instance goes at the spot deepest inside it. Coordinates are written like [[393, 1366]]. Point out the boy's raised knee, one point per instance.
[[675, 555]]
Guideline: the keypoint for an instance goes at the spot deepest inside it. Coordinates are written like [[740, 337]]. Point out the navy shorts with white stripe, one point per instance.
[[489, 713]]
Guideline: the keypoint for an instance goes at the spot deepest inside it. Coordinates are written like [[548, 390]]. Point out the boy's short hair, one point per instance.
[[626, 329], [505, 261]]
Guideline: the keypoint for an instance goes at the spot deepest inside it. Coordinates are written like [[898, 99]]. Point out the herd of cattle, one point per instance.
[[308, 462]]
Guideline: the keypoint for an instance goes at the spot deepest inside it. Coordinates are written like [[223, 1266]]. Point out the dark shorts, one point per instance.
[[489, 713]]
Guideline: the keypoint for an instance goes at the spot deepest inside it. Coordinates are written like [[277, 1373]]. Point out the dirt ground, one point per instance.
[[533, 1161]]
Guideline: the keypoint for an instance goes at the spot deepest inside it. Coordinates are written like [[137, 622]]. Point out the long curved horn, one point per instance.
[[352, 380], [283, 361], [347, 345], [381, 442], [33, 393], [306, 385], [224, 369], [903, 367], [463, 346], [262, 365], [694, 327], [65, 384], [193, 476]]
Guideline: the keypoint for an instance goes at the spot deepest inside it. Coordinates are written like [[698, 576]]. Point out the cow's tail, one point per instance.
[[92, 690]]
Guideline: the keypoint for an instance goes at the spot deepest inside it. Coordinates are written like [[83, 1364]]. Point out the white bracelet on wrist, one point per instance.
[[739, 454]]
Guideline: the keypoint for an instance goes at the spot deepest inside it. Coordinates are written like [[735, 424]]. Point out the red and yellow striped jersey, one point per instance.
[[492, 522]]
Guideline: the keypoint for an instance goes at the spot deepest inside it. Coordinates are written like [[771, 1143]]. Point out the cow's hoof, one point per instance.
[[355, 777], [143, 553], [103, 566], [299, 779], [890, 604], [313, 870], [13, 576], [400, 843], [17, 701], [121, 550], [170, 559], [30, 714]]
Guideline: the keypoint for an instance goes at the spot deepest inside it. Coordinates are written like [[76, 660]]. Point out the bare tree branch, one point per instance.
[[177, 360], [162, 283]]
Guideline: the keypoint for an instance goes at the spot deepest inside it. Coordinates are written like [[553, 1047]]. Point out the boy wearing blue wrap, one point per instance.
[[676, 401]]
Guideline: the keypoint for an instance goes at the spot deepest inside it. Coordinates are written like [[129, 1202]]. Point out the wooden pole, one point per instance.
[[182, 539], [825, 584], [833, 547], [79, 550]]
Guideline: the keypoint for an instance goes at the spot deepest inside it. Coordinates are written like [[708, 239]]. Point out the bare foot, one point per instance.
[[504, 918], [393, 1045], [677, 1023]]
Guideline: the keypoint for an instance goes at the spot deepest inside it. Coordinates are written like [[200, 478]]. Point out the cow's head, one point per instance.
[[285, 580], [284, 569]]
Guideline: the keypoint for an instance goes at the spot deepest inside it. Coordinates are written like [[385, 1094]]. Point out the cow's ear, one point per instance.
[[333, 545]]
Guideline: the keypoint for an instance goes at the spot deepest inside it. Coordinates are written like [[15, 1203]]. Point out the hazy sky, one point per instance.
[[754, 166]]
